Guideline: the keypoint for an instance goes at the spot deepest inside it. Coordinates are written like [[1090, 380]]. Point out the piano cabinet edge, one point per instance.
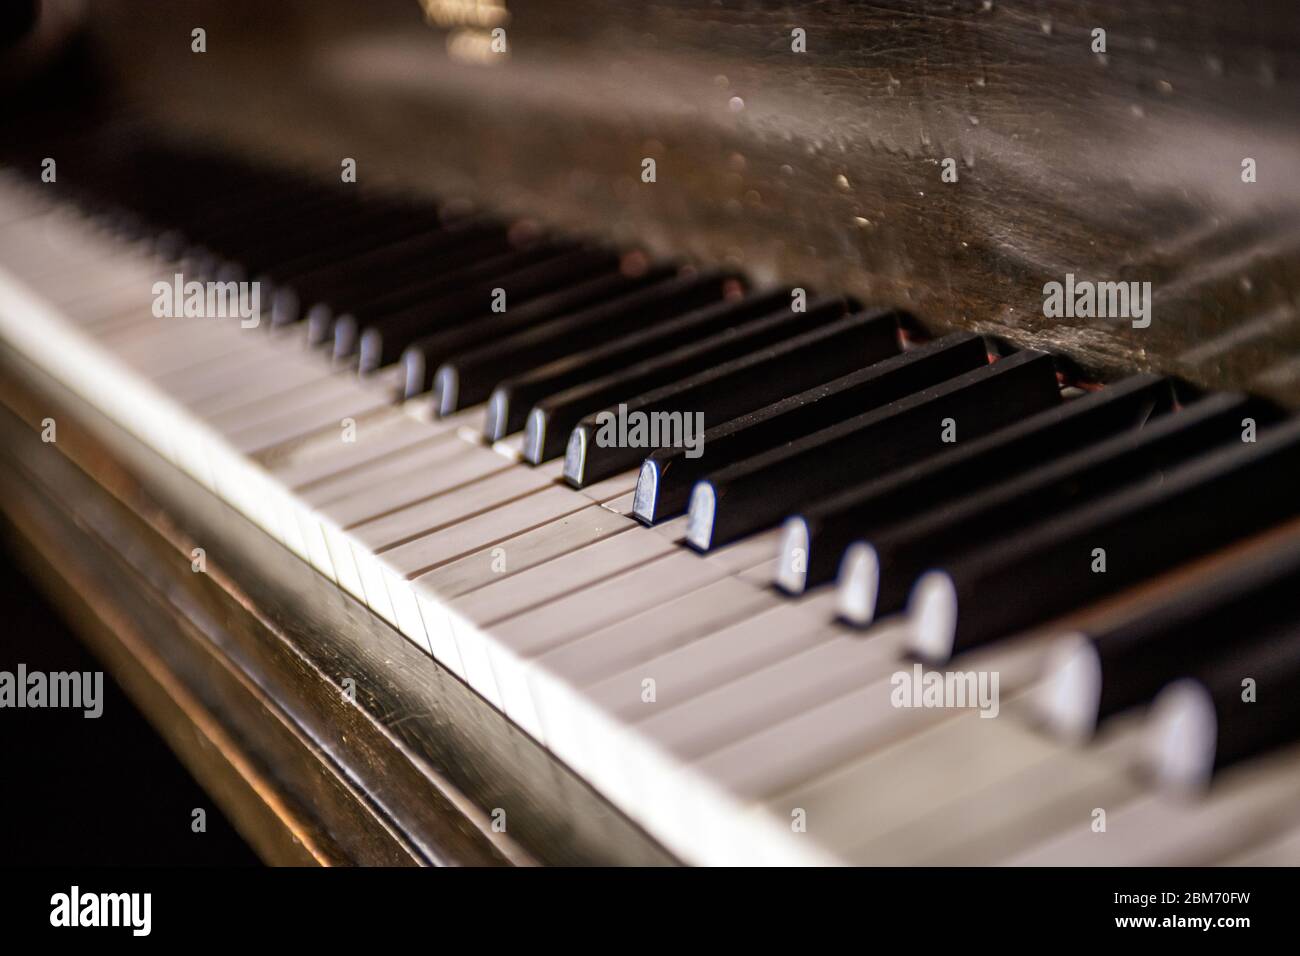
[[240, 669]]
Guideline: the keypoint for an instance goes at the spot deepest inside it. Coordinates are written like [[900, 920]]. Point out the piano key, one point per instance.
[[1163, 829], [667, 475], [1220, 497], [511, 400], [1280, 851], [540, 508], [227, 387], [879, 570], [690, 792], [387, 433], [422, 357], [684, 672], [534, 587], [1093, 676], [271, 230], [922, 811], [815, 539], [756, 700], [518, 641], [333, 290], [492, 563], [646, 634], [160, 348], [736, 387], [351, 530], [343, 230], [1025, 808], [527, 278], [375, 273], [414, 303], [839, 800], [520, 552], [257, 398], [336, 240], [551, 420], [1242, 703], [464, 499], [472, 375], [758, 493], [343, 400], [439, 455]]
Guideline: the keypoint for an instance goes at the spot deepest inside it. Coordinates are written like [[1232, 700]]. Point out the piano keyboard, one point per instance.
[[738, 648]]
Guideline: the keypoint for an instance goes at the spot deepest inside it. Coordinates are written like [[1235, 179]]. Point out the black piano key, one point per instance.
[[466, 271], [220, 205], [472, 375], [291, 255], [422, 357], [667, 475], [241, 219], [528, 275], [347, 285], [293, 244], [735, 388], [1093, 676], [816, 537], [551, 421], [230, 227], [898, 553], [756, 494], [1046, 570], [1238, 706], [512, 399], [339, 319]]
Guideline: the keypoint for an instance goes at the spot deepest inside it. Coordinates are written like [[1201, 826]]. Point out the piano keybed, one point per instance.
[[737, 647]]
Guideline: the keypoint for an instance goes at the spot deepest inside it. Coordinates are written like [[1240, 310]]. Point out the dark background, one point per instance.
[[96, 792]]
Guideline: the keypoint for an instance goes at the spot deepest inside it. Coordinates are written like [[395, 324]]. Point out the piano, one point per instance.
[[517, 432]]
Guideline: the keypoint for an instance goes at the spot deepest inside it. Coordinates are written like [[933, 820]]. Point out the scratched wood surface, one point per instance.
[[820, 167]]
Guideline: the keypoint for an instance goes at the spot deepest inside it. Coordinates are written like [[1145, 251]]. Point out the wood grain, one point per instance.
[[821, 167]]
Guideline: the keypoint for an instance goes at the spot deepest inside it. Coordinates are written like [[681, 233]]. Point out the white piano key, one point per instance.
[[465, 483], [1156, 829], [356, 547], [258, 379], [532, 588], [562, 673], [1054, 795], [347, 400], [367, 486], [388, 432], [490, 564], [520, 552], [1273, 851], [744, 646], [518, 641], [425, 553], [266, 402], [755, 552], [616, 488]]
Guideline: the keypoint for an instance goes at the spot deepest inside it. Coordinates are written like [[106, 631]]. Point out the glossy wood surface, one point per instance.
[[823, 167]]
